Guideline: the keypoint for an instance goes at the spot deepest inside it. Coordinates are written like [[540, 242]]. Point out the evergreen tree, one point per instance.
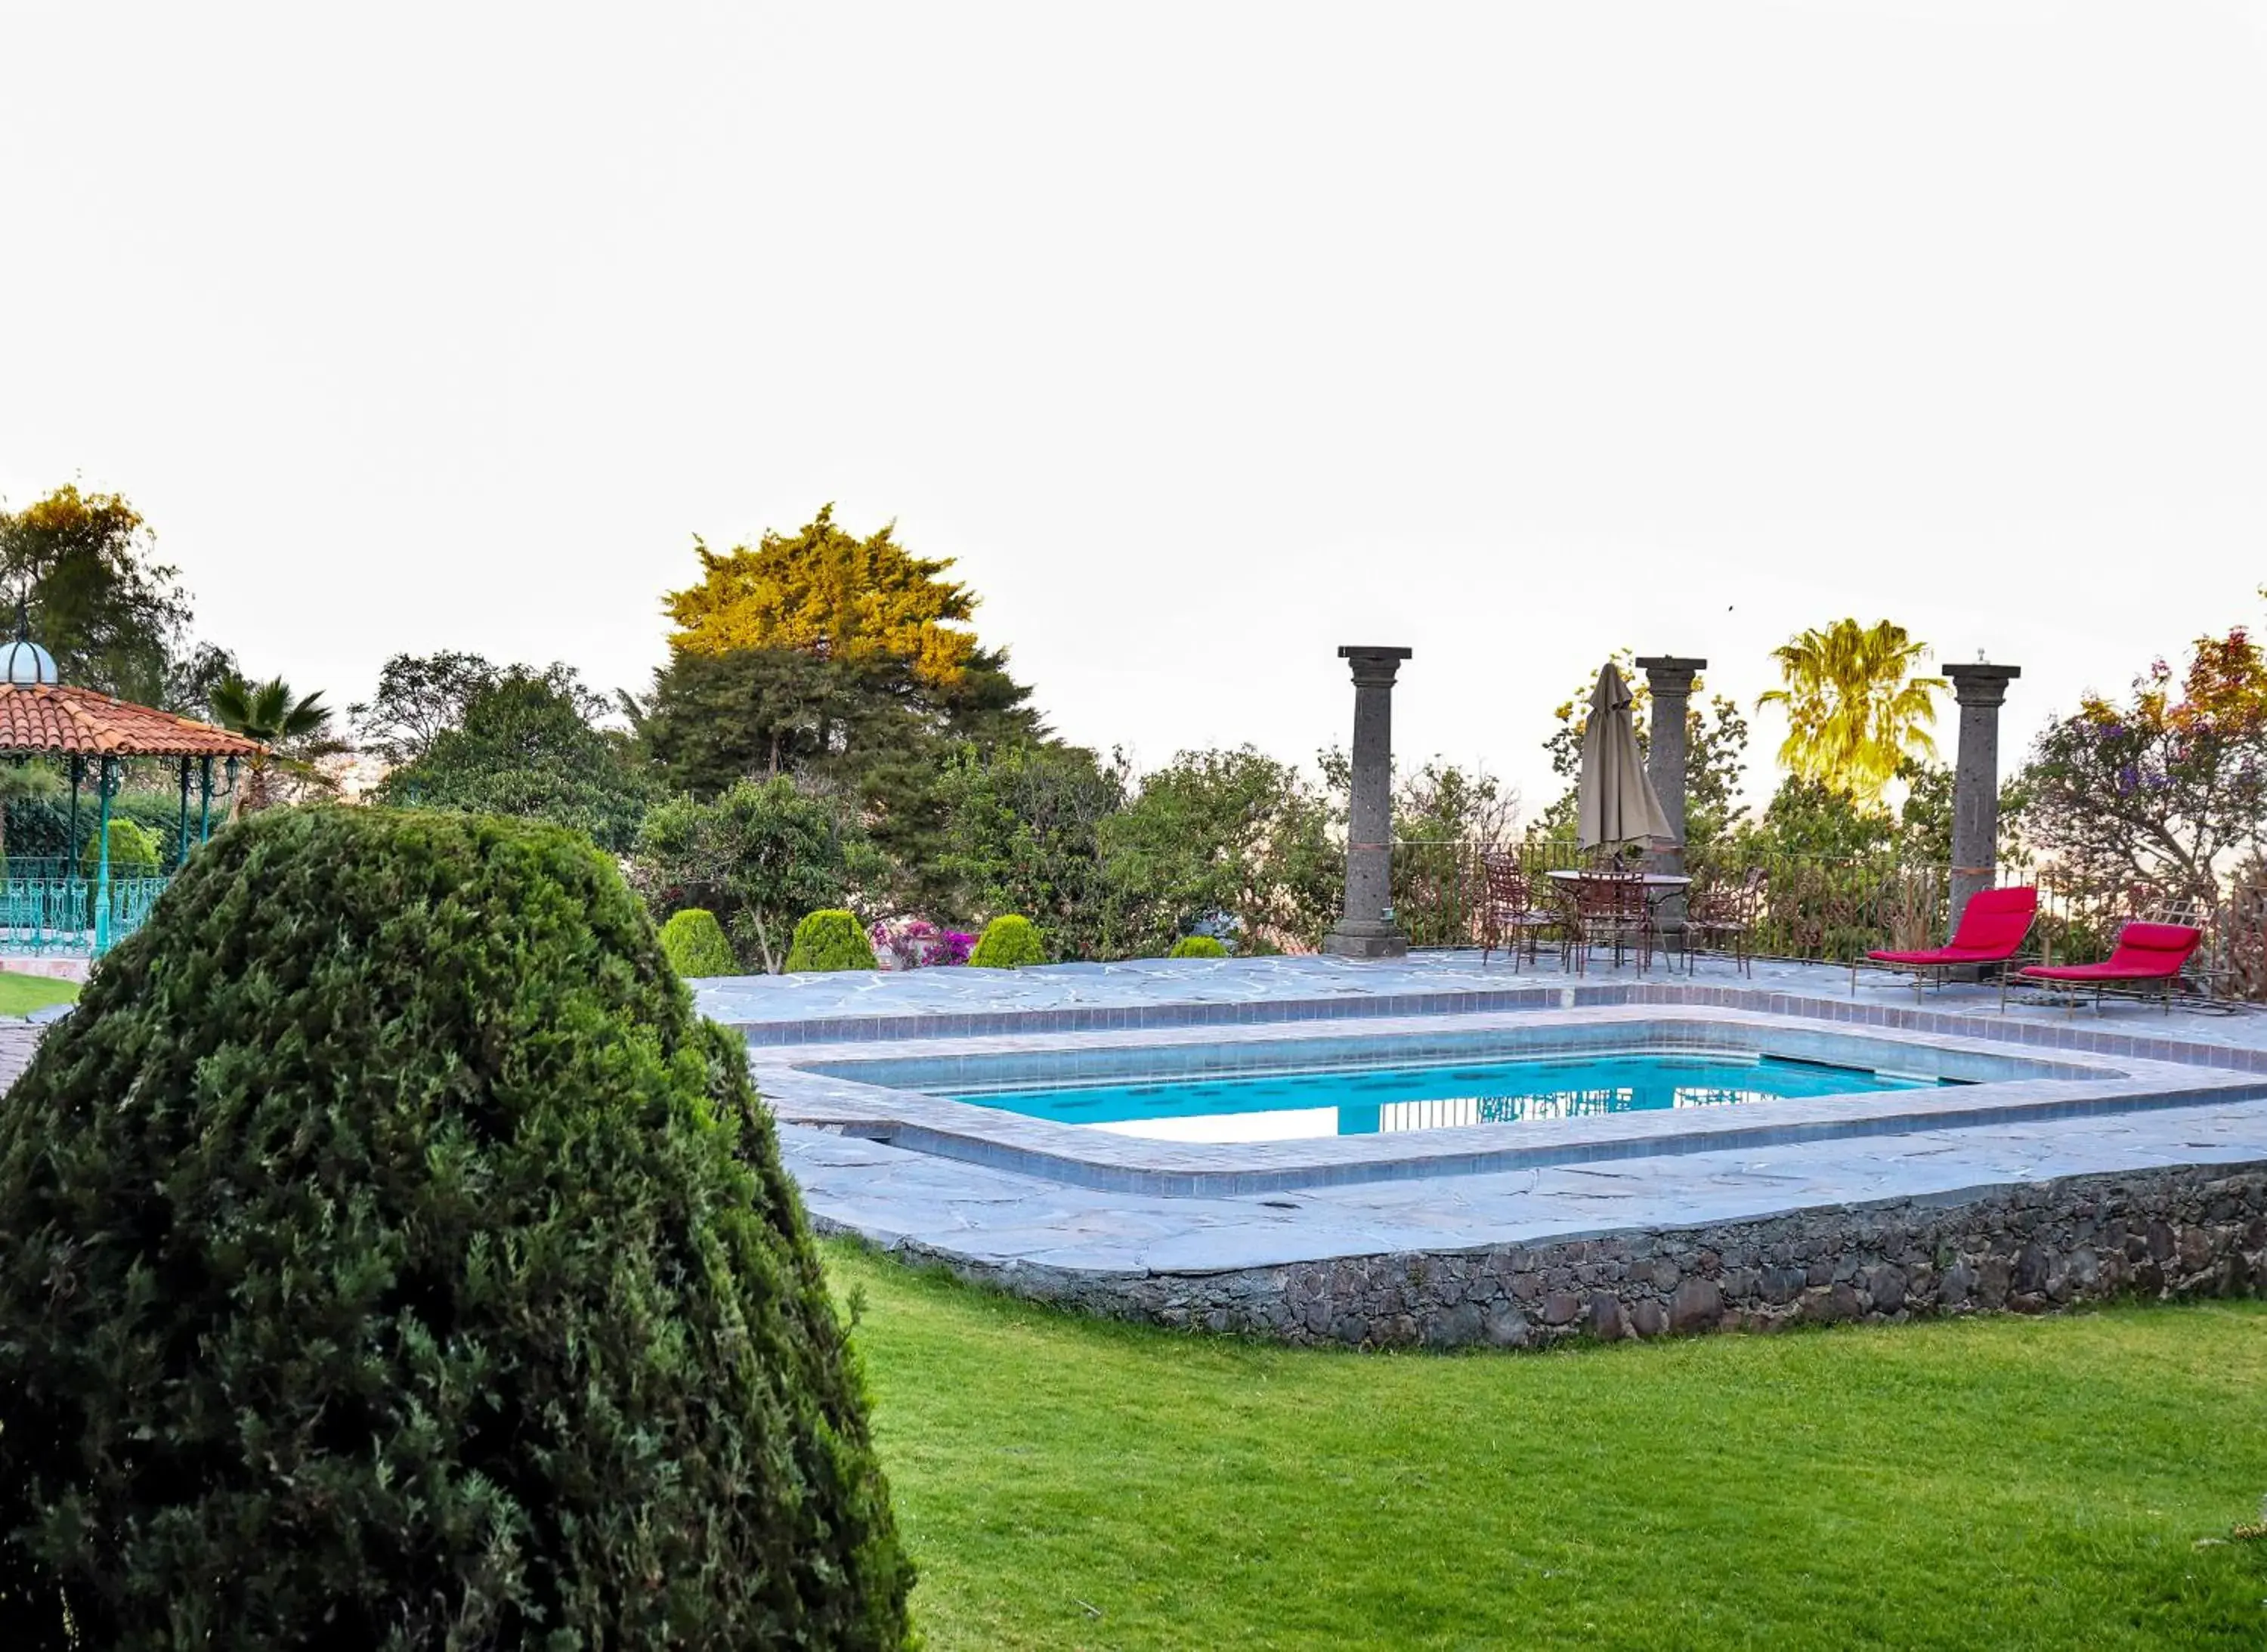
[[846, 661], [398, 1261], [824, 591], [527, 747]]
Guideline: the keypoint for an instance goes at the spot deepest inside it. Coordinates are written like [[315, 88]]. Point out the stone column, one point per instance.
[[1368, 929], [1670, 680], [1981, 690]]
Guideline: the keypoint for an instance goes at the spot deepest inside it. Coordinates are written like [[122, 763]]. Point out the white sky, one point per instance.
[[1207, 338]]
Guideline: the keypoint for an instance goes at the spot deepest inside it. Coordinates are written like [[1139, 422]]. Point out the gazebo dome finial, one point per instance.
[[26, 664]]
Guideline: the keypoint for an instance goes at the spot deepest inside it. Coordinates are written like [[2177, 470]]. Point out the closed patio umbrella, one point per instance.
[[1614, 802]]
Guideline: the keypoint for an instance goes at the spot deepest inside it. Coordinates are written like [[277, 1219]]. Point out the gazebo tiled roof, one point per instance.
[[79, 722]]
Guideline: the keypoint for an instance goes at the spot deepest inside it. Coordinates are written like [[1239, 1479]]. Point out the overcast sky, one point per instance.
[[1205, 338]]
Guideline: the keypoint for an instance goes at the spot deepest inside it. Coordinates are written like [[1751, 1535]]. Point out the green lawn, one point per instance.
[[2001, 1482], [20, 994]]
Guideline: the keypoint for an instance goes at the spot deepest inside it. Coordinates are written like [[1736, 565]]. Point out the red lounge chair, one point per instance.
[[1991, 930], [2147, 955]]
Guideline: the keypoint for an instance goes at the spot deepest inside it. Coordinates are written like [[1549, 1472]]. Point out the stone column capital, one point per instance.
[[1373, 666], [1671, 674], [1981, 685]]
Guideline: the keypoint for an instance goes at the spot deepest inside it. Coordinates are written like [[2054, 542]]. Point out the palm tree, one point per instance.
[[1854, 713], [269, 712]]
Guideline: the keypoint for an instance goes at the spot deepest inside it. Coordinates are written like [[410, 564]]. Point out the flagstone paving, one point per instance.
[[1001, 1217], [795, 1008]]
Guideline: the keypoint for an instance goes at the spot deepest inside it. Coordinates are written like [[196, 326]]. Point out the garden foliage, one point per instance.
[[695, 944], [841, 659], [393, 1260], [1197, 946], [132, 851], [528, 746], [39, 827], [2165, 789], [115, 617], [1009, 942], [830, 941], [1024, 834], [760, 856], [1234, 832]]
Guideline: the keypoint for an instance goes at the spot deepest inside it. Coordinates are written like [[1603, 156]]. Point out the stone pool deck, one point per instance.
[[1921, 1215]]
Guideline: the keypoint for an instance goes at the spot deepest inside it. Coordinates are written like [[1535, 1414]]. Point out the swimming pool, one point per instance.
[[1345, 1101]]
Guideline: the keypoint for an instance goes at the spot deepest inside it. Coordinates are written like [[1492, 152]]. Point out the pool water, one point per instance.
[[1365, 1101]]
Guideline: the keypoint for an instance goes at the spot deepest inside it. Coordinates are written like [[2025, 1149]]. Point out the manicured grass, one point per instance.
[[20, 994], [1999, 1482]]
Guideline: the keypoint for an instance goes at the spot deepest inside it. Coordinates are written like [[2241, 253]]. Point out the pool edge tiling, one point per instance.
[[812, 1084], [2149, 1129]]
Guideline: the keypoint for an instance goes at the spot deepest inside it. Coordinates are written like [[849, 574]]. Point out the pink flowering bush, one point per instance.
[[917, 943]]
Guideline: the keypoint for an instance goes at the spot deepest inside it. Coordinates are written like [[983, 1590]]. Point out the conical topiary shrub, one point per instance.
[[1009, 942], [830, 940], [392, 1259], [694, 944]]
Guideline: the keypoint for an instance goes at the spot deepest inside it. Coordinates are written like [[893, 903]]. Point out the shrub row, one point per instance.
[[832, 940]]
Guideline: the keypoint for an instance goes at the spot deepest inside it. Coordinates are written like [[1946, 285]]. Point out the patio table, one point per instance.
[[1662, 881], [1657, 887]]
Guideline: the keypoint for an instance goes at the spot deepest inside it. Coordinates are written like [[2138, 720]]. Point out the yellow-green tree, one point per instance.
[[827, 593], [1855, 711], [844, 661]]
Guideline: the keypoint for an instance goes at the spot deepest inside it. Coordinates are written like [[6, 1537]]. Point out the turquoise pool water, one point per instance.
[[1365, 1101]]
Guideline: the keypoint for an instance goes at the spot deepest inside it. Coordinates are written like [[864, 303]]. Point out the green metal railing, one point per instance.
[[58, 906], [72, 915]]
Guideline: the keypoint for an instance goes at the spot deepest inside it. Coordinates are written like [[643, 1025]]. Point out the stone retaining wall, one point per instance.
[[2029, 1248]]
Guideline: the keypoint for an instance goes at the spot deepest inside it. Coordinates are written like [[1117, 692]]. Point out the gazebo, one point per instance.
[[40, 716]]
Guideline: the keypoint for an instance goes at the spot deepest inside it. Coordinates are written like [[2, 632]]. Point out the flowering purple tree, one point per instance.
[[2164, 789]]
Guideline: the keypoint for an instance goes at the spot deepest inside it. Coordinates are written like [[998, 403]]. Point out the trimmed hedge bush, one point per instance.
[[1010, 942], [830, 940], [695, 944], [38, 828], [1197, 946], [393, 1260], [132, 851]]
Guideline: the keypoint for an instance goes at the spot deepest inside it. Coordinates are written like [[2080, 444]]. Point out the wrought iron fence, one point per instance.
[[1823, 909], [2078, 923], [60, 914], [1805, 907]]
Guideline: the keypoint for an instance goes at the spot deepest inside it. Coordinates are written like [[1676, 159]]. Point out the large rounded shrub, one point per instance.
[[1009, 942], [695, 944], [392, 1259], [1198, 946], [830, 940]]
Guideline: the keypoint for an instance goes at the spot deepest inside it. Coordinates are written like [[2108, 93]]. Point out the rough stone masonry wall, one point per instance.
[[2031, 1248]]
